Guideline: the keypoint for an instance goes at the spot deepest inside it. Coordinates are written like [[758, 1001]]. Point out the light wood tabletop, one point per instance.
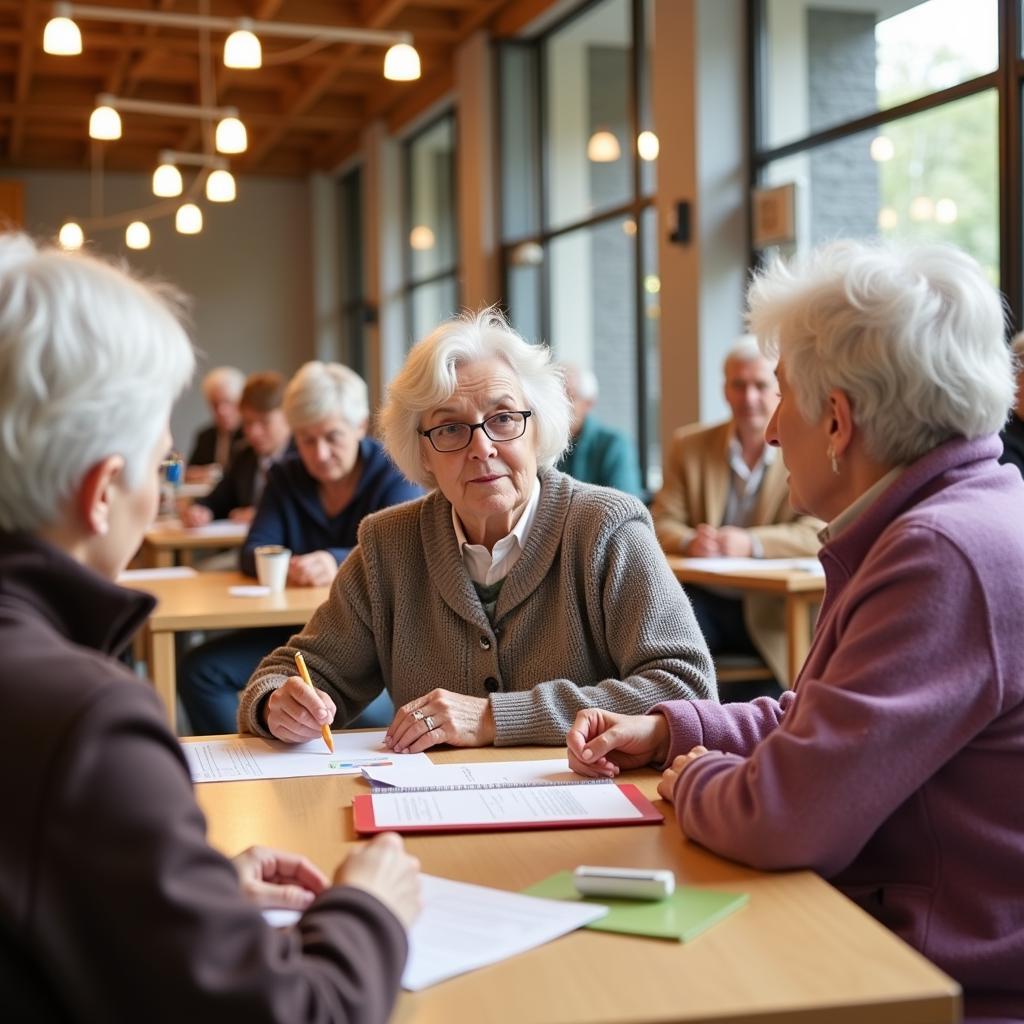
[[799, 950], [205, 601], [799, 590], [167, 541]]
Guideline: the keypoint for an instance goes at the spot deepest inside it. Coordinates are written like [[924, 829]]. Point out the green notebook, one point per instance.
[[682, 916]]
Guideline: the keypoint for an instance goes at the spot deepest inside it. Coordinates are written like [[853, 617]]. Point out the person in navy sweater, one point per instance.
[[889, 767], [313, 504]]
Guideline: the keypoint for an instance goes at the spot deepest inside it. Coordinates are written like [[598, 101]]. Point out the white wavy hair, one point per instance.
[[913, 336], [230, 378], [319, 390], [91, 361], [429, 378]]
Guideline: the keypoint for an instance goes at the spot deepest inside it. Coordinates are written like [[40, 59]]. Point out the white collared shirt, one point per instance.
[[487, 567], [853, 511], [744, 483]]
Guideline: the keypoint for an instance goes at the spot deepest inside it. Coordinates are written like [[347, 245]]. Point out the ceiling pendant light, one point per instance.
[[189, 219], [220, 187], [105, 123], [603, 147], [648, 146], [242, 48], [402, 63], [167, 181], [71, 236], [61, 36], [136, 235], [231, 136]]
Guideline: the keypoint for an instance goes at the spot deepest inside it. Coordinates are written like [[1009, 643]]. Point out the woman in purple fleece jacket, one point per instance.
[[894, 767]]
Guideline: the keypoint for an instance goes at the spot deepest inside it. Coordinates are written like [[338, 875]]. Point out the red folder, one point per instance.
[[365, 819]]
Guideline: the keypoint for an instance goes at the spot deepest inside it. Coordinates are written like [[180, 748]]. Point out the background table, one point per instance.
[[799, 590], [798, 951], [167, 542], [203, 601]]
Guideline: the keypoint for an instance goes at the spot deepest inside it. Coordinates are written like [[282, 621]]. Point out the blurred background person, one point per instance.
[[891, 768], [507, 598], [215, 443], [313, 504], [1013, 432], [267, 437], [725, 494], [110, 897], [598, 454]]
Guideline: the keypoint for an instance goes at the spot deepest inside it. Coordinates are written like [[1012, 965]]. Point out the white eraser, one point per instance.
[[624, 883]]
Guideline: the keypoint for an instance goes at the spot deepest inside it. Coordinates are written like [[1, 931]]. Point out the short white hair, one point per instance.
[[229, 378], [429, 378], [91, 361], [319, 390], [581, 381], [913, 336], [745, 349]]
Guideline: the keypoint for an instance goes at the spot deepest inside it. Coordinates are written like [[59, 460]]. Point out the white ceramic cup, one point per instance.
[[272, 566]]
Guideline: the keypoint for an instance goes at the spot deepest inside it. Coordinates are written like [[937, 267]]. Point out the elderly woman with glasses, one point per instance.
[[893, 766], [508, 598]]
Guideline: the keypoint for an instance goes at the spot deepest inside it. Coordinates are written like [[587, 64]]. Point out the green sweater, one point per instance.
[[589, 616], [601, 455]]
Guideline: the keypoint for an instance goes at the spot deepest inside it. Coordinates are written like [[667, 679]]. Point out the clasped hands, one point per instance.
[[711, 542], [602, 743], [277, 878], [295, 713]]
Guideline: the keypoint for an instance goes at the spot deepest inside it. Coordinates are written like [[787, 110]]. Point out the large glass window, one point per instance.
[[580, 249], [886, 120], [354, 307], [431, 249]]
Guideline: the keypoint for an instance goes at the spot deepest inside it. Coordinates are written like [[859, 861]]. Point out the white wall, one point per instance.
[[249, 273]]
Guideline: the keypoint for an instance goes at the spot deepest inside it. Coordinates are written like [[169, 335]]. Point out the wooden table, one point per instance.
[[168, 541], [798, 589], [203, 602], [799, 951]]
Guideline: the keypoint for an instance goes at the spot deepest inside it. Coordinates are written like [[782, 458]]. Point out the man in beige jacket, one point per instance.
[[725, 493]]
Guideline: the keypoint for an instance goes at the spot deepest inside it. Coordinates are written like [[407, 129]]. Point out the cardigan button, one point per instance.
[[491, 684], [485, 643]]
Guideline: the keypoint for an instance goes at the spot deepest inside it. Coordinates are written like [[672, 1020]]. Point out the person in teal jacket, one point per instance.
[[599, 454]]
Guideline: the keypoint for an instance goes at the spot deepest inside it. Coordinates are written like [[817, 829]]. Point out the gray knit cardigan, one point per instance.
[[590, 616]]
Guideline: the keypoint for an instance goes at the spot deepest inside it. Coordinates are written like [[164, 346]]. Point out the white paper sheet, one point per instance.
[[518, 804], [730, 565], [402, 775], [171, 572], [463, 927], [253, 757]]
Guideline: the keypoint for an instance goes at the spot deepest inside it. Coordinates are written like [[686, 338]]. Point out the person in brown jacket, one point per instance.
[[113, 906], [725, 493]]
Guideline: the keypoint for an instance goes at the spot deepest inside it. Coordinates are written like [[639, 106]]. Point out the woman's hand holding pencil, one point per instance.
[[297, 711]]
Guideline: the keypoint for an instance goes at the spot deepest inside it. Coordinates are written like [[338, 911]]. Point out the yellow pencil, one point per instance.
[[300, 663]]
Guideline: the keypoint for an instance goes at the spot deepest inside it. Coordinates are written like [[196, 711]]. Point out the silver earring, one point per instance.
[[831, 453]]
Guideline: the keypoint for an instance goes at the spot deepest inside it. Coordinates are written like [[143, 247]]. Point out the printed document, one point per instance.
[[403, 775], [239, 758]]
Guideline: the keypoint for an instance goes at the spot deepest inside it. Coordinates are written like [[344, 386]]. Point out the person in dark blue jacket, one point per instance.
[[312, 504]]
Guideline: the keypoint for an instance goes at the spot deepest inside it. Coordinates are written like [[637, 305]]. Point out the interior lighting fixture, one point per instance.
[[888, 218], [421, 238], [242, 48], [167, 181], [603, 147], [401, 62], [231, 136], [104, 123], [922, 208], [136, 235], [71, 236], [882, 149], [648, 146], [946, 211], [220, 187], [61, 36], [189, 219]]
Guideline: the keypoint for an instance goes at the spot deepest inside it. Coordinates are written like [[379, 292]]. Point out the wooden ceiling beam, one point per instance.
[[23, 78]]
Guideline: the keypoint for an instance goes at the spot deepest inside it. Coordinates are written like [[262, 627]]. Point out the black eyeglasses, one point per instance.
[[453, 437]]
